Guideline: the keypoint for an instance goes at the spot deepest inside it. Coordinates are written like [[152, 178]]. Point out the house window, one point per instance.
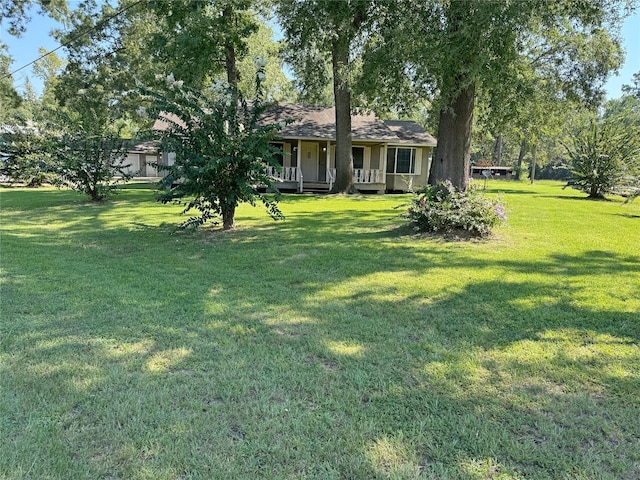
[[358, 157], [278, 154], [401, 160]]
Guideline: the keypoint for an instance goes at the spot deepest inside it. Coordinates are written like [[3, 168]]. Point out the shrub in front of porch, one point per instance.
[[445, 209]]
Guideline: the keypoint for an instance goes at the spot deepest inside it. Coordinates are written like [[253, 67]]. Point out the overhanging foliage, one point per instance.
[[221, 150]]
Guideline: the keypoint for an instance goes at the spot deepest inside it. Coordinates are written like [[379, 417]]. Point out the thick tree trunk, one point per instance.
[[342, 97], [229, 219], [532, 175], [230, 52], [453, 153], [497, 151], [521, 154]]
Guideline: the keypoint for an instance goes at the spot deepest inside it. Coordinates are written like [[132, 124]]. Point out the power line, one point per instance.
[[81, 34]]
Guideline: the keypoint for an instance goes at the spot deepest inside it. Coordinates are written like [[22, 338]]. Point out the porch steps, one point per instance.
[[315, 187]]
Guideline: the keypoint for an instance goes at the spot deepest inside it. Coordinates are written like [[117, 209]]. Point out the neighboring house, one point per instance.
[[495, 171], [141, 159], [388, 155]]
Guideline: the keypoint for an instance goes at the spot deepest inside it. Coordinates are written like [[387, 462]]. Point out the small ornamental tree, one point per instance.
[[22, 159], [221, 149], [604, 156], [90, 164], [83, 141]]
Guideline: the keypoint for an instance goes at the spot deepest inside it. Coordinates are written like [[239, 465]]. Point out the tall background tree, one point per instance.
[[200, 43], [457, 50], [326, 32], [17, 13], [10, 100]]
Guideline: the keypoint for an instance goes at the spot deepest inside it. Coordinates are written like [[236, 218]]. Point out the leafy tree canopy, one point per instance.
[[503, 51], [221, 150], [9, 98], [17, 13]]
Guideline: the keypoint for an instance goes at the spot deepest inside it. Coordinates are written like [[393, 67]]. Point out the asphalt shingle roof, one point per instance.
[[410, 132], [318, 123]]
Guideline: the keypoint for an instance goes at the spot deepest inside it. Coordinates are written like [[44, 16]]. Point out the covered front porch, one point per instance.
[[310, 166]]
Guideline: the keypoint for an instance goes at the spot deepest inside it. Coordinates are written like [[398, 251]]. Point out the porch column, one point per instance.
[[299, 166], [328, 174], [383, 163]]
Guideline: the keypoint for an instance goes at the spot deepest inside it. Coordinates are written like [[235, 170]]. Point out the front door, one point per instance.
[[309, 161], [322, 166]]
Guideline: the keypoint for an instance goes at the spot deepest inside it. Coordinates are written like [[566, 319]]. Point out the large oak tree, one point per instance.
[[458, 49], [321, 32]]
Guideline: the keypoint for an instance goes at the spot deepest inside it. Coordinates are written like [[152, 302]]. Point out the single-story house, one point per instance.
[[388, 155]]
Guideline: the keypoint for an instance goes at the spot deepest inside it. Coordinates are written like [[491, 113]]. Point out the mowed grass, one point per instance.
[[336, 344]]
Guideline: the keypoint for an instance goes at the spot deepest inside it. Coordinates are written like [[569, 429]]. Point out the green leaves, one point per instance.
[[604, 156], [445, 209], [221, 150], [93, 164]]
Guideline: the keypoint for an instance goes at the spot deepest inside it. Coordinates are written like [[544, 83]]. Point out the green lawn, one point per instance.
[[336, 344]]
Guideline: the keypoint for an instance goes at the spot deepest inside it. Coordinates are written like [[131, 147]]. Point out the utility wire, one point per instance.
[[82, 34]]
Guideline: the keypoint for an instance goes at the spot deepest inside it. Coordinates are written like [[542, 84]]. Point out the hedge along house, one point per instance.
[[390, 155]]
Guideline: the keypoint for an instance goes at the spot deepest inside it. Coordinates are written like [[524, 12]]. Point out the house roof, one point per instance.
[[148, 147], [409, 131], [318, 123]]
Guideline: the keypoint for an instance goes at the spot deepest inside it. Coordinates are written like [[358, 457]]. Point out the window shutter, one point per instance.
[[418, 168]]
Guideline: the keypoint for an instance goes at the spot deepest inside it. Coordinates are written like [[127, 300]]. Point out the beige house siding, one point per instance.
[[376, 157], [409, 182], [141, 165], [133, 160]]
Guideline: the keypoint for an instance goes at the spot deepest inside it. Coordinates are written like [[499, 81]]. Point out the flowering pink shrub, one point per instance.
[[444, 209]]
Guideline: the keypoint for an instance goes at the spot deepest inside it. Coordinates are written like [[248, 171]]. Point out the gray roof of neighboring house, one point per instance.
[[318, 123], [148, 147]]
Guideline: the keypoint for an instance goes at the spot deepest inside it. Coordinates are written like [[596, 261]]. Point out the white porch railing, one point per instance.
[[361, 175], [286, 174]]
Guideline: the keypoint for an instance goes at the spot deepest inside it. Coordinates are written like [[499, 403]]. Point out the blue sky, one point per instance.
[[25, 49]]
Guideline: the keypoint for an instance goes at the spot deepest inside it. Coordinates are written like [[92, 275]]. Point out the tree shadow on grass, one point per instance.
[[585, 198], [293, 383], [296, 350], [498, 189]]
